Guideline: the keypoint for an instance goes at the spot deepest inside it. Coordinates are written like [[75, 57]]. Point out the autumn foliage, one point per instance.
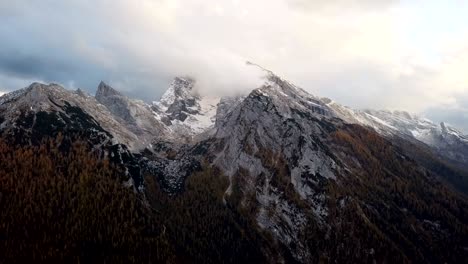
[[71, 206], [390, 204], [64, 204]]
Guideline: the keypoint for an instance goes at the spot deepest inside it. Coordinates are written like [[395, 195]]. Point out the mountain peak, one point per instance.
[[181, 88], [184, 79], [36, 86], [105, 90], [39, 93], [443, 126], [276, 83], [287, 96], [38, 97]]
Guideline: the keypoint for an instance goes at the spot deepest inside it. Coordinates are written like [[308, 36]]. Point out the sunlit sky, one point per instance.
[[383, 54]]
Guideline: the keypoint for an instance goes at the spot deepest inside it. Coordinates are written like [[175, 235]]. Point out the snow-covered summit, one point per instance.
[[183, 115], [444, 139], [181, 88], [399, 122], [288, 96], [189, 113], [185, 112]]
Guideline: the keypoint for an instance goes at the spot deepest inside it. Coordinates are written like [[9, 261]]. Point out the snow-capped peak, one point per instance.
[[287, 96], [449, 131], [186, 113], [181, 88], [446, 140]]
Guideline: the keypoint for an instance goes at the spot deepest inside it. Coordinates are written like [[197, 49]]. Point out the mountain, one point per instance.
[[275, 138], [276, 176], [33, 114], [447, 141], [42, 100], [440, 148], [136, 115], [301, 169], [184, 111]]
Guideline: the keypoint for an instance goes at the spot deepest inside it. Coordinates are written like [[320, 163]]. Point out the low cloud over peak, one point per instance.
[[379, 54]]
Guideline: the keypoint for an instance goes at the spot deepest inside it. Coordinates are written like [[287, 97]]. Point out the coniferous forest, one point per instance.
[[66, 204]]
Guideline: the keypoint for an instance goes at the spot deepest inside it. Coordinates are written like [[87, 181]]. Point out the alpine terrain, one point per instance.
[[273, 176]]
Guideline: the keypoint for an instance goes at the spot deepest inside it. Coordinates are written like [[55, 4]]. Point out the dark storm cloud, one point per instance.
[[68, 42], [35, 46], [49, 66], [32, 66], [131, 46]]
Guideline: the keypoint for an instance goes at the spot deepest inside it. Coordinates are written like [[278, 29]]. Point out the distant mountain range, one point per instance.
[[323, 181]]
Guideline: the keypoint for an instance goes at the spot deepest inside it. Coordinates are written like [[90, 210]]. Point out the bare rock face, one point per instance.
[[135, 115], [115, 102]]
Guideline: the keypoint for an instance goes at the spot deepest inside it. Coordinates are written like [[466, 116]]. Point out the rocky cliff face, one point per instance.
[[184, 111], [275, 137], [135, 115]]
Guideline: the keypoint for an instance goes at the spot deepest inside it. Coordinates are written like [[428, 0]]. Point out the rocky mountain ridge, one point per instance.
[[312, 174], [445, 140]]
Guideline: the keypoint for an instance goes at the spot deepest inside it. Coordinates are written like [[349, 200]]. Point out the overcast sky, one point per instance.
[[410, 55]]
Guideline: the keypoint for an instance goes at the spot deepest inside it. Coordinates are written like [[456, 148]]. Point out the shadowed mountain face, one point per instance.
[[295, 177]]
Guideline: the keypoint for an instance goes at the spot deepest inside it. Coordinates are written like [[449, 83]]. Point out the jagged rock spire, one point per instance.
[[180, 89], [104, 90]]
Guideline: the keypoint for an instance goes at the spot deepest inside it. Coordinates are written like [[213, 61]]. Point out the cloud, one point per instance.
[[7, 81], [340, 5], [456, 113], [160, 38], [16, 64], [457, 118], [362, 53]]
